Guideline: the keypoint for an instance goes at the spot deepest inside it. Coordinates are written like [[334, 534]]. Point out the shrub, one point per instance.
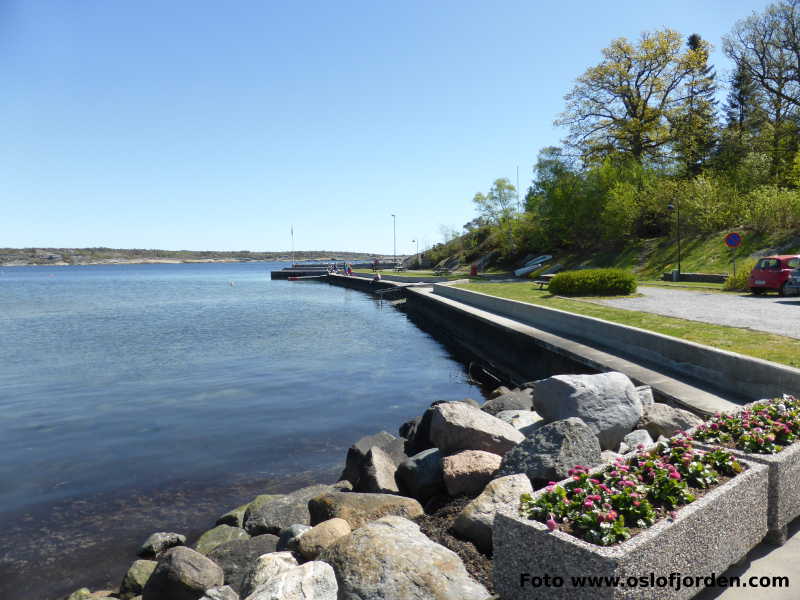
[[738, 283], [593, 282]]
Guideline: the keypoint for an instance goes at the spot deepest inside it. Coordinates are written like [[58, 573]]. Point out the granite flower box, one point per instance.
[[673, 559], [783, 495]]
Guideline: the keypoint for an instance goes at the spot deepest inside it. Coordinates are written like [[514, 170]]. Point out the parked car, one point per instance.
[[771, 274]]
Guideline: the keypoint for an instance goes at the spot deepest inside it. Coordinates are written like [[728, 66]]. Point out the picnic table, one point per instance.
[[543, 280]]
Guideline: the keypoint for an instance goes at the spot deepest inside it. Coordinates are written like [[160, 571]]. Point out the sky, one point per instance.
[[207, 125]]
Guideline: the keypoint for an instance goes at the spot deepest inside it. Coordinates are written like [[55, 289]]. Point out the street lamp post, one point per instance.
[[417, 243], [677, 208], [394, 241]]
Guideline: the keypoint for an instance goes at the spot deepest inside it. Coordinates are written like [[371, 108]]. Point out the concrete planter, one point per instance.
[[706, 537], [783, 494]]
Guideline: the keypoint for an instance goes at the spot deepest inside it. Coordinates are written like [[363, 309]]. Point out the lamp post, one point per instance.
[[417, 243], [677, 208], [394, 241]]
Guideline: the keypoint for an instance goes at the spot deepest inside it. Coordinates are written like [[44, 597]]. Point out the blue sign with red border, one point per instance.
[[733, 240]]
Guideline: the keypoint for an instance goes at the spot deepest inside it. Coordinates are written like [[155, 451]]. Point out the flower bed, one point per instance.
[[659, 512], [764, 432]]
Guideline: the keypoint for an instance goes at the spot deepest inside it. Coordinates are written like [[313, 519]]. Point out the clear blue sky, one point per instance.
[[217, 125]]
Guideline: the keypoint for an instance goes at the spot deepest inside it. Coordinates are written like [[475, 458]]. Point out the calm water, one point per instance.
[[134, 397]]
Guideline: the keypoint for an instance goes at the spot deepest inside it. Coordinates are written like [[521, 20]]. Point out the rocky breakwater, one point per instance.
[[412, 516]]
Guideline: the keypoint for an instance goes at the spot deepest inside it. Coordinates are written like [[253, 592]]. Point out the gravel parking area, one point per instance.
[[768, 313]]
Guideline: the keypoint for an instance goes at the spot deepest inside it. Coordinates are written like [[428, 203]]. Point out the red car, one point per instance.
[[771, 273]]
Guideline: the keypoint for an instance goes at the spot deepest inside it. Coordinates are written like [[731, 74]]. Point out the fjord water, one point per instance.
[[133, 395]]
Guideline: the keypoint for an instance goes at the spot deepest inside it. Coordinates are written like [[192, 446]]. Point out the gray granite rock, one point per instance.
[[421, 440], [234, 518], [550, 452], [661, 419], [519, 399], [391, 559], [217, 536], [236, 558], [182, 574], [271, 514], [377, 473], [476, 521], [409, 429], [310, 581], [645, 394], [499, 391], [393, 446], [265, 568], [607, 402], [636, 437], [420, 476], [609, 456], [469, 471], [519, 419], [135, 579], [358, 509], [456, 427], [160, 542], [319, 537], [224, 592], [288, 537]]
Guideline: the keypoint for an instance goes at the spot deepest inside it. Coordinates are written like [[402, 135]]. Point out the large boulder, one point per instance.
[[136, 578], [271, 514], [661, 419], [310, 581], [358, 509], [519, 399], [182, 574], [519, 419], [469, 471], [391, 558], [421, 438], [607, 402], [377, 473], [158, 543], [265, 568], [234, 518], [217, 536], [421, 476], [319, 537], [456, 427], [237, 557], [551, 451], [393, 446], [476, 522]]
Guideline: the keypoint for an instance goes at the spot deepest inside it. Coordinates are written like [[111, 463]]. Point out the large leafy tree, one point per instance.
[[625, 103], [694, 120]]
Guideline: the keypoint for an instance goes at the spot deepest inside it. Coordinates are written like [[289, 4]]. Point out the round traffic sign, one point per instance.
[[733, 239]]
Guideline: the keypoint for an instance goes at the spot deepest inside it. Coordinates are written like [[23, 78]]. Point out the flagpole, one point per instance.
[[292, 246]]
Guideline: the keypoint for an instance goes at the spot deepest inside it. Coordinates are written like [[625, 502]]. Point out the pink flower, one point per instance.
[[578, 490], [675, 475], [551, 523], [636, 503], [588, 504], [595, 481], [627, 483]]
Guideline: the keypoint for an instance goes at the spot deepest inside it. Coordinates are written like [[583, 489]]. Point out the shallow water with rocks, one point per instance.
[[137, 398]]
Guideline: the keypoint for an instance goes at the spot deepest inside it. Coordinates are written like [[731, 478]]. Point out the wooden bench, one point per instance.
[[543, 280]]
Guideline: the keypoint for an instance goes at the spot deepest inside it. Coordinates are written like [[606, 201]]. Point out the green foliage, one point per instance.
[[738, 282], [593, 282]]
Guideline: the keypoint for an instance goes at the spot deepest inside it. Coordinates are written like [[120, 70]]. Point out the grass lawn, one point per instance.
[[767, 346], [696, 285]]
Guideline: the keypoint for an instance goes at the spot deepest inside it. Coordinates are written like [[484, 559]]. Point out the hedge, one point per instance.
[[593, 282]]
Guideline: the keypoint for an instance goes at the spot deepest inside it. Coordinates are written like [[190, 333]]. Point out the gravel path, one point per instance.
[[769, 313]]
